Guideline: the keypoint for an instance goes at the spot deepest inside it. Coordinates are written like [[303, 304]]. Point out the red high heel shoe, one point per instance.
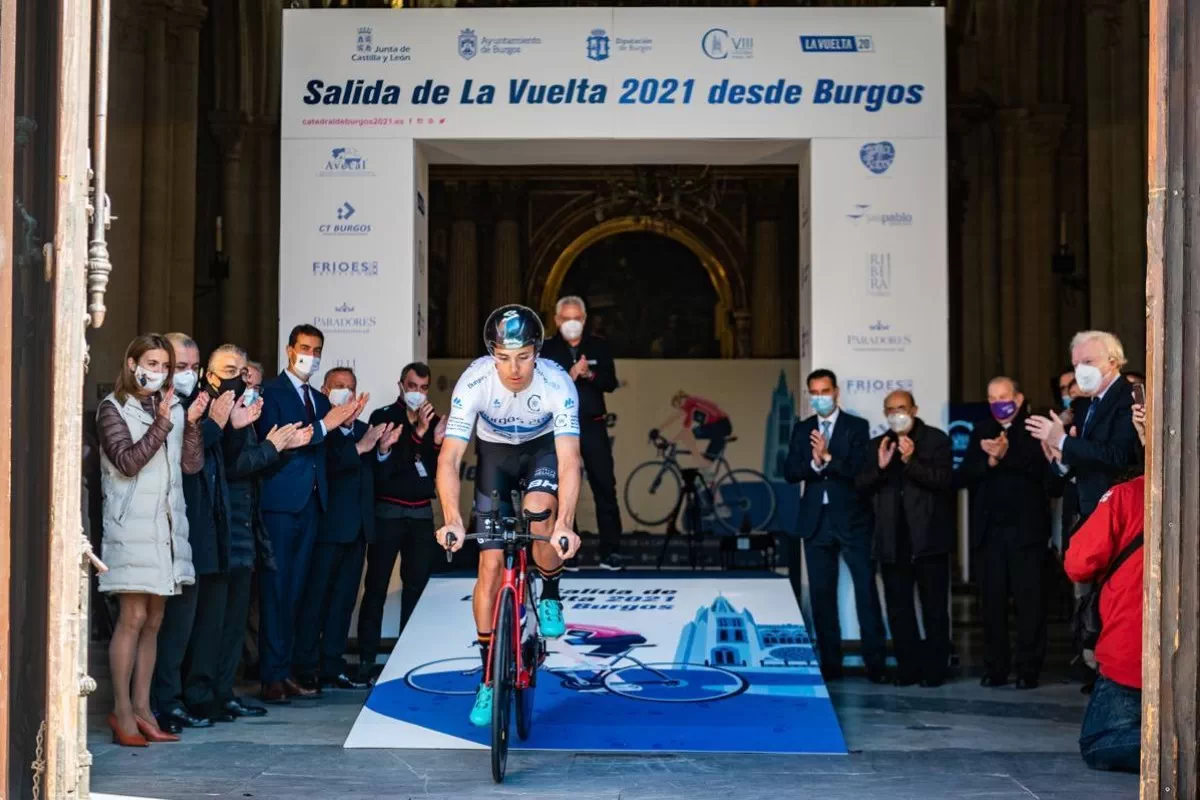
[[122, 738], [152, 732]]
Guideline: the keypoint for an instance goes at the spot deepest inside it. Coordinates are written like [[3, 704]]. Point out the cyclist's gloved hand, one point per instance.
[[454, 543], [573, 542]]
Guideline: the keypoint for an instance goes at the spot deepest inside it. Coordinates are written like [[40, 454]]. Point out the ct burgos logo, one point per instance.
[[343, 268], [873, 385], [862, 214], [598, 45], [343, 227], [345, 161], [345, 320], [877, 156], [879, 274], [468, 44], [879, 338], [837, 44], [719, 45]]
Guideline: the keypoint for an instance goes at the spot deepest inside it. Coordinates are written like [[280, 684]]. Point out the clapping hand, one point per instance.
[[887, 449], [281, 437], [1049, 430], [164, 405], [367, 443], [301, 437], [424, 417], [579, 369], [243, 415], [196, 409], [995, 448], [389, 438], [820, 448], [221, 408], [907, 448]]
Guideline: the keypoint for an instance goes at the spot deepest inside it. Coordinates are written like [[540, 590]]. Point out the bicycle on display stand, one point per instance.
[[518, 648], [741, 500]]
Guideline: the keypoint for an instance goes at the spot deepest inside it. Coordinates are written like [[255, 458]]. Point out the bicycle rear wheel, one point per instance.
[[652, 492], [532, 649], [503, 669], [743, 501]]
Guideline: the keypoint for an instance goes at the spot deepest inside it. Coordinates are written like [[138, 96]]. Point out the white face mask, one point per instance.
[[185, 382], [571, 329], [150, 381], [339, 397], [250, 397], [899, 423], [414, 400], [1089, 378], [307, 365]]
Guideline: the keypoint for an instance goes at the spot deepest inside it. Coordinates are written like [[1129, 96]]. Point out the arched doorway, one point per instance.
[[654, 289]]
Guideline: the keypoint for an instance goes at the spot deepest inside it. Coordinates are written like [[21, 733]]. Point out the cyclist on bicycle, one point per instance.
[[699, 418], [527, 410]]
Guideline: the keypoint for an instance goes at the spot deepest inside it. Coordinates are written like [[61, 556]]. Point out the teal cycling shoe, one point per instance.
[[550, 618], [481, 712]]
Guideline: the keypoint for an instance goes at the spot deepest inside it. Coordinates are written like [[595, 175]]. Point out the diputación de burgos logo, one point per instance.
[[344, 162]]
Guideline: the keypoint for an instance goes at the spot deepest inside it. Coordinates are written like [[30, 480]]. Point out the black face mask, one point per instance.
[[235, 385]]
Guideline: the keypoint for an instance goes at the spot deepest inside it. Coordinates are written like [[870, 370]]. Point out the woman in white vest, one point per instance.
[[146, 444]]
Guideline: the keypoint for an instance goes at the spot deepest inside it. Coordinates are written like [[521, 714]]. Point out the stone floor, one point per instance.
[[958, 741]]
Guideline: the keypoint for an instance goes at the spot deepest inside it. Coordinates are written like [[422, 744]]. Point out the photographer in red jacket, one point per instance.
[[1112, 725]]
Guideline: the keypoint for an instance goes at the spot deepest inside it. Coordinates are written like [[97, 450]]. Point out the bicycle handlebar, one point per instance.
[[511, 528]]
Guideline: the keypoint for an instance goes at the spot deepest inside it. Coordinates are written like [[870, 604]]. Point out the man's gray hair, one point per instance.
[[181, 340], [1112, 345], [570, 300], [227, 348], [255, 365]]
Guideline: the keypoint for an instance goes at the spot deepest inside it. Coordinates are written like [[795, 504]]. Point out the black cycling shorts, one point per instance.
[[501, 467]]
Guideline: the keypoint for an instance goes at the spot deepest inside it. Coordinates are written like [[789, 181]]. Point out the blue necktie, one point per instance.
[[825, 426], [1087, 420]]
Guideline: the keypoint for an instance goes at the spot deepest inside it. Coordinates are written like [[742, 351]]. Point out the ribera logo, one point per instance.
[[879, 274], [343, 226]]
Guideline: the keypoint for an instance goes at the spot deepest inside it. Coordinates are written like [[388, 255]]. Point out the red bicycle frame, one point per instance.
[[516, 570]]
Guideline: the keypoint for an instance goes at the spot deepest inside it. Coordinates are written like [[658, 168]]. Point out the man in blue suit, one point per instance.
[[294, 493], [347, 527], [826, 453]]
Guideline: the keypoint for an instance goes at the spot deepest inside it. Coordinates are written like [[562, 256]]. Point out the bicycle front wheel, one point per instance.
[[452, 676], [503, 679], [674, 683], [652, 492], [744, 501]]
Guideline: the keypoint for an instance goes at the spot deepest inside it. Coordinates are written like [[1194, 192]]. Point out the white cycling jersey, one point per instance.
[[549, 404]]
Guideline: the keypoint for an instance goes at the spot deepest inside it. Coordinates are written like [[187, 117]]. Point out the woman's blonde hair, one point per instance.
[[126, 384]]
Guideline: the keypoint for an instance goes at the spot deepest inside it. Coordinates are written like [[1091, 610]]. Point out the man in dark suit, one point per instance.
[[1101, 444], [1010, 529], [826, 453], [589, 361], [346, 528], [908, 475], [294, 492]]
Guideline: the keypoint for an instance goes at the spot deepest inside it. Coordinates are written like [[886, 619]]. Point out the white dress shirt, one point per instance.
[[819, 466]]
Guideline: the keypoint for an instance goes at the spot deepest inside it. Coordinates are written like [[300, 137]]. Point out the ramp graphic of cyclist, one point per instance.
[[612, 668]]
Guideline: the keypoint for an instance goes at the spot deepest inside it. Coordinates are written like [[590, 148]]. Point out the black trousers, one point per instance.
[[821, 555], [325, 613], [596, 449], [1007, 570], [216, 643], [166, 686], [926, 659], [412, 540]]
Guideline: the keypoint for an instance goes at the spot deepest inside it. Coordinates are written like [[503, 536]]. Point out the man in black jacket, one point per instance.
[[345, 530], [405, 465], [1010, 529], [826, 453], [588, 360], [908, 474]]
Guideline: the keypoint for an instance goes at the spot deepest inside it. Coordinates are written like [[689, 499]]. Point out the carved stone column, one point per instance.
[[186, 20], [766, 301], [462, 323], [238, 301], [154, 307], [506, 255]]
